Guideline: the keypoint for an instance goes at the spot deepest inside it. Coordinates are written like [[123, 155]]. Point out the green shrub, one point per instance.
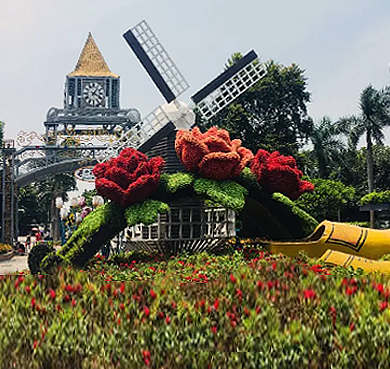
[[376, 198], [245, 309], [37, 254], [329, 197]]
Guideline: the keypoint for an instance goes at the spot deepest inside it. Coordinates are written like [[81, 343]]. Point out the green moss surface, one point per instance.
[[229, 194], [145, 212]]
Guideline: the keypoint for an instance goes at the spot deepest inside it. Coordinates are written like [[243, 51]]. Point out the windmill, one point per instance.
[[175, 114], [188, 225]]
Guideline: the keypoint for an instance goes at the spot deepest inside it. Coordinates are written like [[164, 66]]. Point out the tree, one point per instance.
[[374, 117], [271, 115], [327, 146], [328, 199], [30, 212], [48, 190]]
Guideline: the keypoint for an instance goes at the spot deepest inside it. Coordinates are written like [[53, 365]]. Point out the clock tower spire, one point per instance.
[[91, 84], [91, 62]]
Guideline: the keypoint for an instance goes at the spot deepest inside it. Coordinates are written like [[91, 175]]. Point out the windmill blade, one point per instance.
[[156, 61], [137, 135], [233, 82]]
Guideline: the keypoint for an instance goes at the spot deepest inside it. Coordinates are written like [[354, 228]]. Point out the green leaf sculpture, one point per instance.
[[145, 212], [227, 193], [177, 181]]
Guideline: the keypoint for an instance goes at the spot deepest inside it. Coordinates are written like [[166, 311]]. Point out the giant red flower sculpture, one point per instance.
[[128, 178], [211, 154], [279, 173]]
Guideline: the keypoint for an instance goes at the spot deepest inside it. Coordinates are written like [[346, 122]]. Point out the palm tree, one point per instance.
[[327, 144], [374, 117], [48, 190]]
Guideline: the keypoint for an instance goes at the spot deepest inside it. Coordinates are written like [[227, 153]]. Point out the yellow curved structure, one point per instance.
[[363, 242], [346, 260]]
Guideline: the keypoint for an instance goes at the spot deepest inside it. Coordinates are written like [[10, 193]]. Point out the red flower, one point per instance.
[[146, 356], [309, 294], [128, 178], [167, 320], [35, 344], [232, 278], [153, 294], [33, 302], [214, 330], [52, 294], [383, 305], [122, 288], [146, 311], [239, 294], [279, 173], [27, 289], [216, 304], [212, 154]]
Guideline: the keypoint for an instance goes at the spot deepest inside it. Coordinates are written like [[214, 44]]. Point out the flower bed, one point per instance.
[[4, 248], [242, 308]]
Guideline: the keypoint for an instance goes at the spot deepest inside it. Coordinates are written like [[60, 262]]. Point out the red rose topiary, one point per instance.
[[128, 178], [211, 154], [279, 173]]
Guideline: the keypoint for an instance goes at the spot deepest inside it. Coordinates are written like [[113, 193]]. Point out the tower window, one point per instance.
[[78, 87], [107, 86], [114, 93]]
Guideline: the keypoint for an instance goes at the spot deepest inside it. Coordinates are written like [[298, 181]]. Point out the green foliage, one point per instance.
[[227, 193], [36, 255], [375, 116], [176, 181], [247, 178], [88, 238], [327, 147], [329, 197], [30, 209], [89, 194], [375, 198], [145, 212], [309, 223], [192, 311], [385, 257], [359, 224]]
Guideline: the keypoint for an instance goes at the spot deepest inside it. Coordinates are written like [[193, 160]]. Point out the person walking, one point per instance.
[[28, 242]]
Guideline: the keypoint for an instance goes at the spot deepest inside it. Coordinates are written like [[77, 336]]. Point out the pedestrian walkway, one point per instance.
[[15, 264]]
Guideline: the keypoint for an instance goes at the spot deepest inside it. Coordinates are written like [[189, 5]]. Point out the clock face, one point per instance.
[[93, 94]]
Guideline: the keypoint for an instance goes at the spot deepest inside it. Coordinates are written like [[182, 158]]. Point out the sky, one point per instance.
[[341, 45]]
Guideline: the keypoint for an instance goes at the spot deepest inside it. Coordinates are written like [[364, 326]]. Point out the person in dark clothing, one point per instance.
[[28, 242]]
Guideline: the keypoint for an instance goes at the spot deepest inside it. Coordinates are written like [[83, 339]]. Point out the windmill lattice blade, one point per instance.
[[233, 82], [138, 135], [156, 61]]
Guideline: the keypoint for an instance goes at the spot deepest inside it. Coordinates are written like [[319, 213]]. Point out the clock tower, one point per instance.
[[91, 98], [91, 84]]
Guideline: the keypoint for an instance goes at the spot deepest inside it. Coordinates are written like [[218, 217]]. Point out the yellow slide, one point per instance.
[[347, 260], [363, 242]]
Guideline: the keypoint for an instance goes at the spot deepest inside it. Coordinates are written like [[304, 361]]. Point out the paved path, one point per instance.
[[13, 265]]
